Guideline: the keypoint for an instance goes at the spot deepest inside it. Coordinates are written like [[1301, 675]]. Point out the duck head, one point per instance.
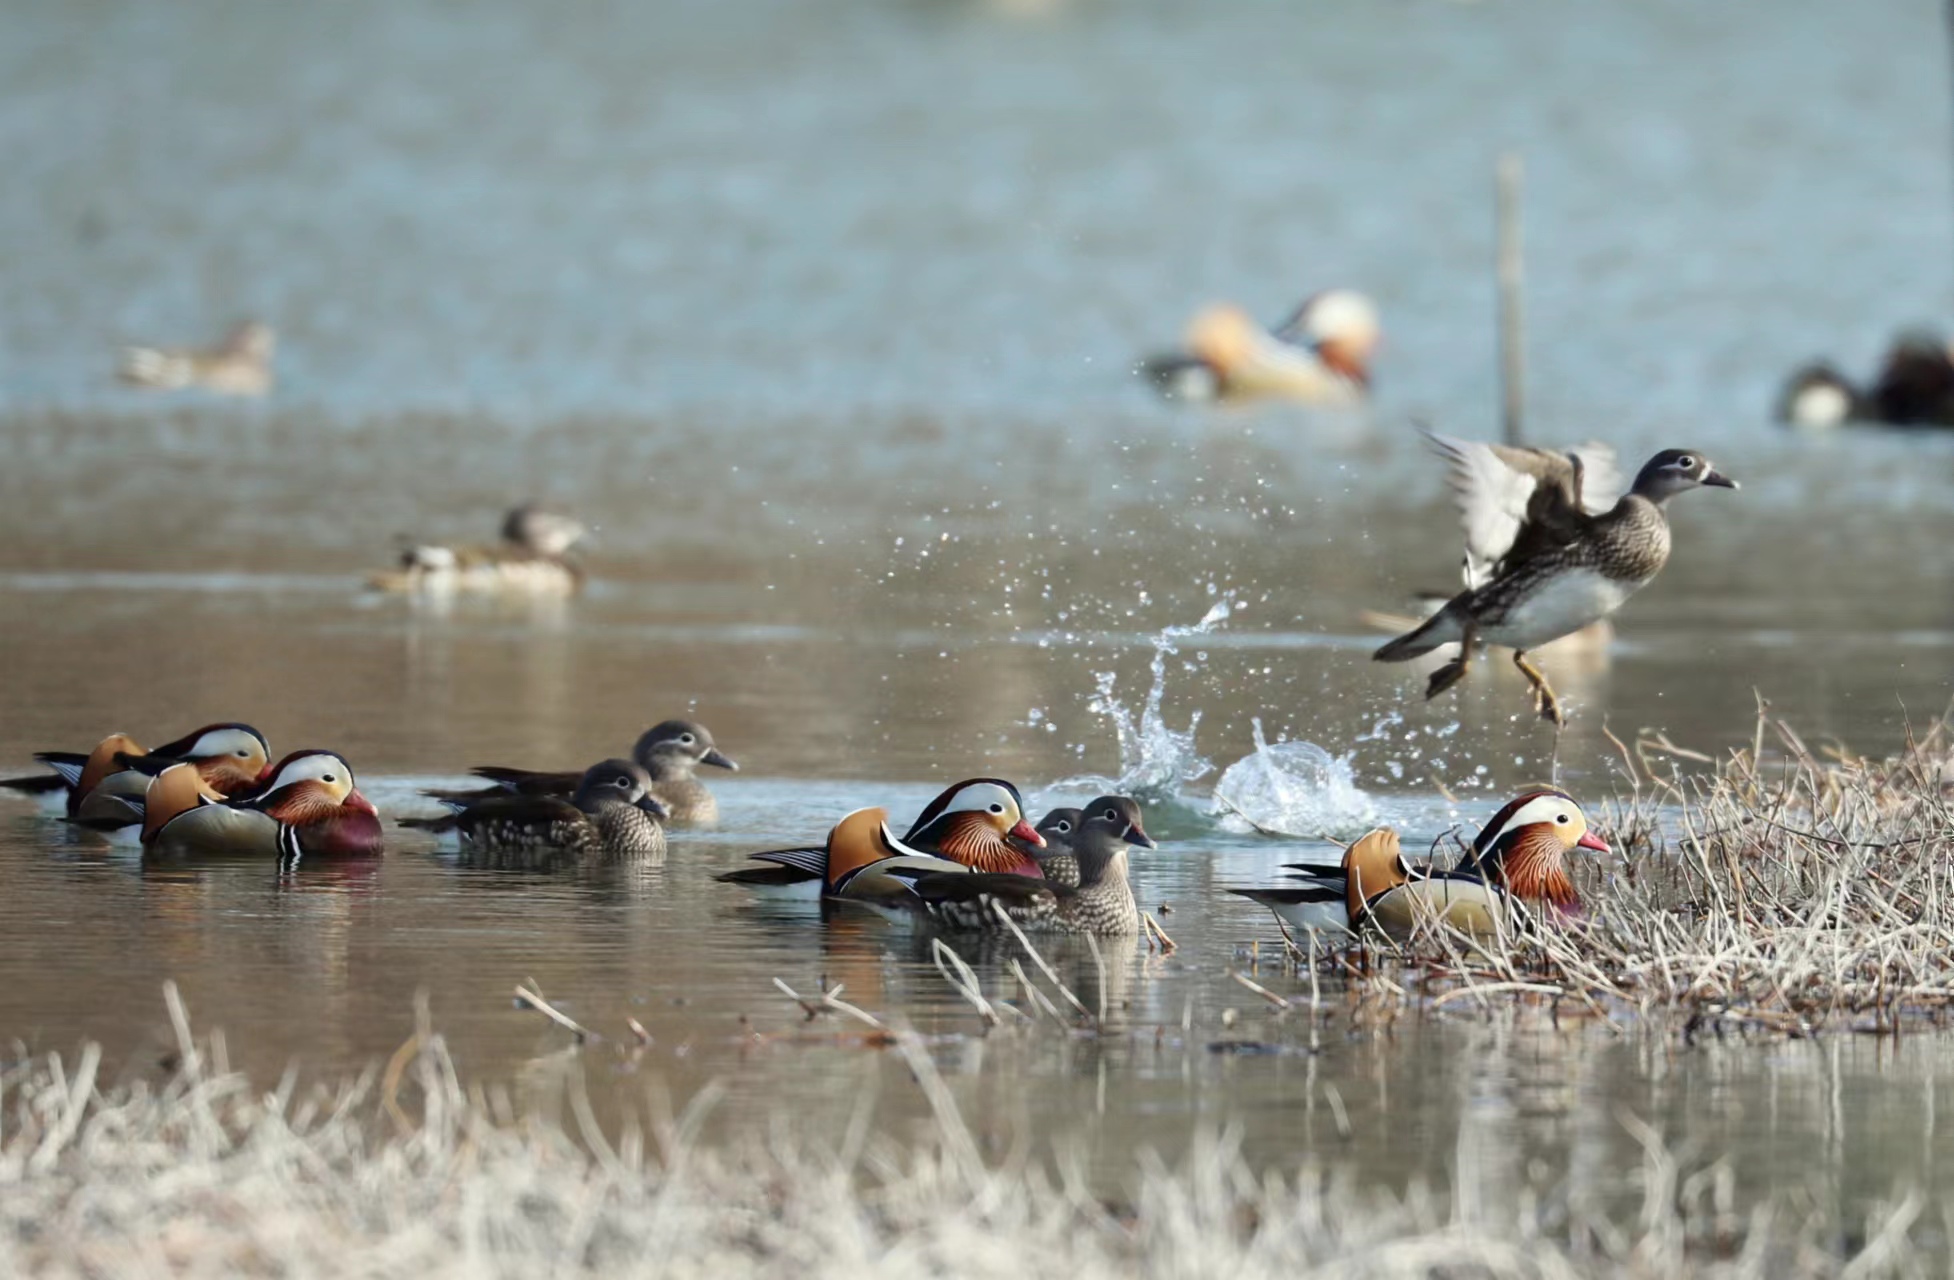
[[312, 786], [1342, 327], [1524, 847], [1108, 827], [981, 824], [253, 340], [617, 781], [1372, 866], [233, 758], [677, 747], [1059, 826], [544, 532], [1675, 470]]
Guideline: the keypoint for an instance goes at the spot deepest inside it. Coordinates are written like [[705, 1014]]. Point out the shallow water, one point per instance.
[[821, 317]]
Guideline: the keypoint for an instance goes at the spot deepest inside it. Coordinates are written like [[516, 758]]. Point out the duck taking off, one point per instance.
[[1549, 549]]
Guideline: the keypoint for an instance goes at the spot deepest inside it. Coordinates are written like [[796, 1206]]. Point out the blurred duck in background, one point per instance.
[[530, 560], [1320, 355], [1915, 388], [240, 365]]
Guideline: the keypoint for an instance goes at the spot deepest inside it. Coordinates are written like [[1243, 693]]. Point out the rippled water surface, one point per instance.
[[821, 316]]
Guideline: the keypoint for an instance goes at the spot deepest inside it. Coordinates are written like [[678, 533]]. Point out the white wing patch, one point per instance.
[[1492, 500], [1602, 481]]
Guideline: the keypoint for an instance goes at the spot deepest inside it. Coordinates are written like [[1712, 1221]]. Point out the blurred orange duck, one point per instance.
[[975, 825], [311, 808], [1320, 355]]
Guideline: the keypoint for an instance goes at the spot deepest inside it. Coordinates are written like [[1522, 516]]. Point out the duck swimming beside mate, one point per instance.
[[105, 787], [1085, 889], [612, 811], [670, 753], [1519, 855], [1549, 550], [310, 809], [977, 824]]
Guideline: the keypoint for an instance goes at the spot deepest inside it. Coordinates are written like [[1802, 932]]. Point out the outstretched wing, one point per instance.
[[1511, 497]]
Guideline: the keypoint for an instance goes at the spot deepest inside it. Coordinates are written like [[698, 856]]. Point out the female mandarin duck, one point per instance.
[[977, 824], [310, 808], [531, 560], [612, 812], [233, 759], [1320, 355], [1520, 854], [670, 753], [240, 365], [1085, 889], [1549, 550]]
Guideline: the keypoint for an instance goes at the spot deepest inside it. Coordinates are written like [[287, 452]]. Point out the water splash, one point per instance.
[[1155, 759], [1292, 789]]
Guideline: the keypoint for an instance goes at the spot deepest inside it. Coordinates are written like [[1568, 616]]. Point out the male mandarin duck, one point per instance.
[[310, 808], [240, 365], [1319, 355], [612, 812], [233, 759], [1549, 550], [858, 863], [977, 824], [670, 753], [1521, 853], [530, 560], [1085, 889]]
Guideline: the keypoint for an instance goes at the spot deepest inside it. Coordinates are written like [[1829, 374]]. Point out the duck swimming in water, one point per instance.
[[240, 365], [1320, 355], [670, 752], [612, 813], [311, 808], [531, 560]]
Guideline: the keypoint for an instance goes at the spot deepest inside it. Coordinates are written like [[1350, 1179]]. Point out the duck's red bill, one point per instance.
[[1589, 840], [355, 801], [1024, 831]]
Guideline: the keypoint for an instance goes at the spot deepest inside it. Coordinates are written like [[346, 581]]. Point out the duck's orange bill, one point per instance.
[[355, 801], [1023, 831], [1589, 840]]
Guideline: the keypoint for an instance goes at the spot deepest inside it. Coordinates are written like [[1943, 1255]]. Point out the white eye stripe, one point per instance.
[[1538, 809], [981, 799], [311, 769]]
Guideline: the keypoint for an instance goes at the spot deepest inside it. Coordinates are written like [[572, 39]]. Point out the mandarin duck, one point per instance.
[[311, 808], [1319, 355], [105, 787], [670, 753], [612, 812], [1521, 853], [1549, 550], [977, 824]]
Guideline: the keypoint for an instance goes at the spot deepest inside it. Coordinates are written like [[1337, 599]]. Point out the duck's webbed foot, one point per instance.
[[1544, 699], [1454, 671]]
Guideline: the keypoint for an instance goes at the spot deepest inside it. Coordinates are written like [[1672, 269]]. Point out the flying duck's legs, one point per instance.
[[1454, 671], [1544, 700]]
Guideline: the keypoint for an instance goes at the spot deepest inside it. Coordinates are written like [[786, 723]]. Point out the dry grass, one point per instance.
[[1780, 890], [408, 1174]]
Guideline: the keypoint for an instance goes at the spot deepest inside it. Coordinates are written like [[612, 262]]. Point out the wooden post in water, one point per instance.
[[1512, 276]]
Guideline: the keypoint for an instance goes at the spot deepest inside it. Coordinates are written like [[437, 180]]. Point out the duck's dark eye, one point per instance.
[[621, 781], [1061, 827], [1685, 461], [1563, 819], [243, 754], [328, 778], [997, 808], [1112, 815], [686, 739]]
